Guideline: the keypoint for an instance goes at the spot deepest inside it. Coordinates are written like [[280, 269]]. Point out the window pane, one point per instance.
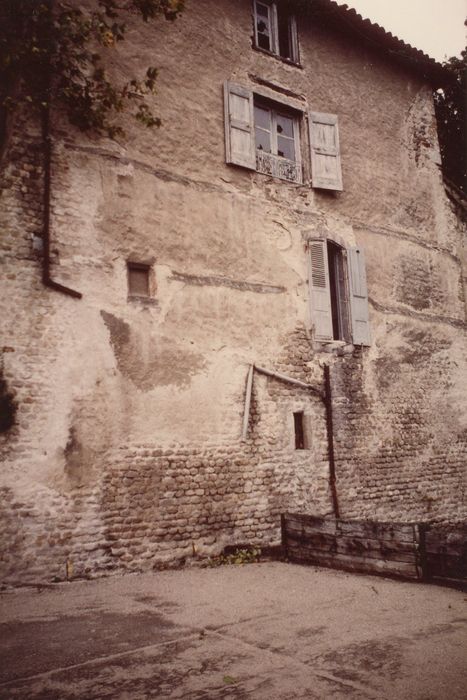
[[263, 38], [285, 148], [284, 125], [263, 26], [262, 118], [263, 140]]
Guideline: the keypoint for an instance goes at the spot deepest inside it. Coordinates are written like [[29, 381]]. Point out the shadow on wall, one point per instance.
[[8, 407]]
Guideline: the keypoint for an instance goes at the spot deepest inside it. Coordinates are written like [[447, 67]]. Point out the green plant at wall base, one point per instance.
[[248, 555], [52, 52], [451, 114]]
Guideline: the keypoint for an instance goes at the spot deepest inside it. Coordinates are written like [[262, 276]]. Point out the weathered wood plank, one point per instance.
[[317, 538], [376, 530], [353, 563], [446, 565], [356, 548]]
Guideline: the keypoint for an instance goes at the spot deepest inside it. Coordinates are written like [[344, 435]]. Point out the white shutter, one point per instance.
[[358, 297], [326, 171], [320, 295], [239, 126]]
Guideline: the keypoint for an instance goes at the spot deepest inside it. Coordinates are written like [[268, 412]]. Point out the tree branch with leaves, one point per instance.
[[53, 53]]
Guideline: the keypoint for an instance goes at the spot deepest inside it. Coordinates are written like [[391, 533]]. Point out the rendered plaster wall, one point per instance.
[[126, 453]]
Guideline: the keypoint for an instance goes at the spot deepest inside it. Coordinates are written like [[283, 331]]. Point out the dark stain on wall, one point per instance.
[[8, 407], [414, 282], [163, 363]]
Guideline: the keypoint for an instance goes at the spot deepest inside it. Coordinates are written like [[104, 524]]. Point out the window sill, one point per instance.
[[144, 301], [278, 57], [334, 347]]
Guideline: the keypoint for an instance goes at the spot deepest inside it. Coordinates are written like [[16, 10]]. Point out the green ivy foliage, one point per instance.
[[451, 114], [52, 52]]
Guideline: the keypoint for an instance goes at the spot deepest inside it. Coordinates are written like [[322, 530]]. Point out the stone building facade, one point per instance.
[[290, 214]]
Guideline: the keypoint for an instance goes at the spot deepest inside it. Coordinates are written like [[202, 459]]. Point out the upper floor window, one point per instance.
[[275, 29], [264, 135], [276, 141]]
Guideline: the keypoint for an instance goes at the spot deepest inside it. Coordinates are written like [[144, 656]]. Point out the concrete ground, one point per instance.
[[269, 630]]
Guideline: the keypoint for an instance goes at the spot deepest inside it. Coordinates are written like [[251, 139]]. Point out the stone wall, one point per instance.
[[126, 452]]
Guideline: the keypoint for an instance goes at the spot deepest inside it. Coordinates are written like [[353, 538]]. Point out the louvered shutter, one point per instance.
[[320, 296], [239, 126], [326, 172], [358, 297]]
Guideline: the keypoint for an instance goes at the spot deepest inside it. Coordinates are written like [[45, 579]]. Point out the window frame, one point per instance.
[[276, 109], [350, 302], [131, 265], [273, 26]]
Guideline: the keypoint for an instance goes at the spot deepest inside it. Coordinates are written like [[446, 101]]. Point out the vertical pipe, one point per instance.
[[246, 411], [330, 434], [47, 145]]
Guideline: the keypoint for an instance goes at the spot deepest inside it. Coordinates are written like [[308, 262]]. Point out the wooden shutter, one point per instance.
[[326, 170], [358, 297], [294, 38], [320, 296], [239, 126]]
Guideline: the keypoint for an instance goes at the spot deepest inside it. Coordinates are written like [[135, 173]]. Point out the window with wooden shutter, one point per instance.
[[326, 169], [338, 293], [239, 126], [320, 296], [358, 297]]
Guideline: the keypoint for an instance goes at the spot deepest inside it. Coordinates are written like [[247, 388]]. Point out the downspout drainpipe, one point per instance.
[[46, 278], [47, 143], [330, 433]]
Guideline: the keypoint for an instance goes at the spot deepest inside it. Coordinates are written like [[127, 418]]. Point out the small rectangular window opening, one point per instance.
[[299, 427], [138, 279]]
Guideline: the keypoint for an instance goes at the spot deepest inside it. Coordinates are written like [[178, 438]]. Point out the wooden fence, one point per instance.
[[415, 551]]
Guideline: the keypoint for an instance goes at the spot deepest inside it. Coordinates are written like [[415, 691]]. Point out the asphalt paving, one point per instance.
[[257, 631]]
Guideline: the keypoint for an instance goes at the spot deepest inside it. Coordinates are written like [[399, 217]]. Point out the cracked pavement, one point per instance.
[[269, 630]]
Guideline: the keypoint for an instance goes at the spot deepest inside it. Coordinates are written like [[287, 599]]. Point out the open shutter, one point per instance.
[[320, 295], [239, 126], [358, 297], [326, 169]]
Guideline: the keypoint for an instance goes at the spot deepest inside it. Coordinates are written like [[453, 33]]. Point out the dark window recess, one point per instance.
[[138, 279], [298, 419], [337, 290], [284, 31]]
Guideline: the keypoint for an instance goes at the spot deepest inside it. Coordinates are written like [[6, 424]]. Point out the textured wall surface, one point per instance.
[[126, 452]]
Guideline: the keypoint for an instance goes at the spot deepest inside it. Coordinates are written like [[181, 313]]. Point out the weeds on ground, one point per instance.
[[249, 555]]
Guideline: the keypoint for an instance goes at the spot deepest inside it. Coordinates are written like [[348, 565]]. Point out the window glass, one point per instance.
[[263, 26], [285, 148], [263, 129], [284, 125]]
